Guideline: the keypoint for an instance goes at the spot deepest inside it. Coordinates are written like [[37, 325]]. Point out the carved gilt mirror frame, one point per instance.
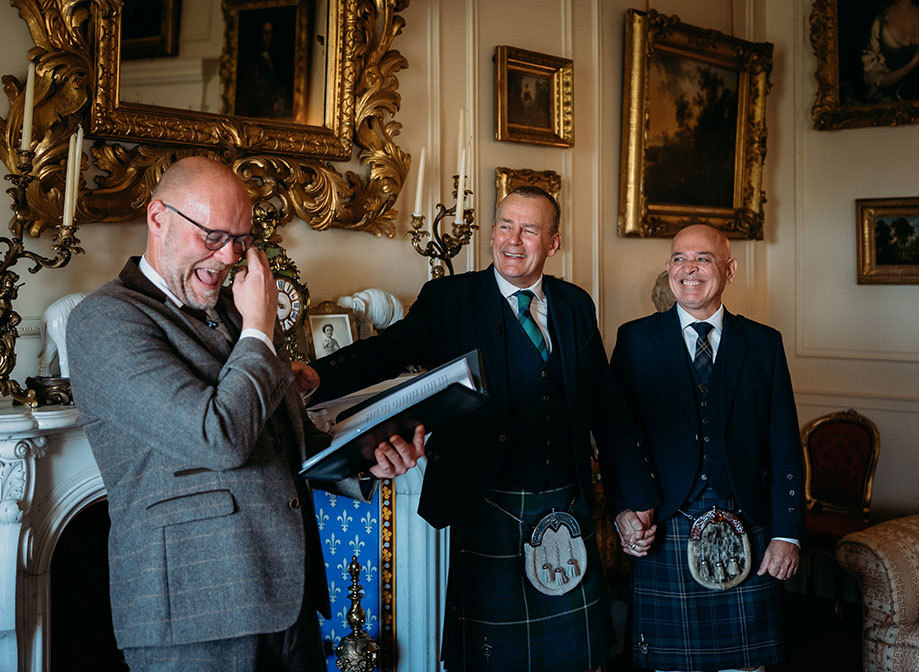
[[77, 74]]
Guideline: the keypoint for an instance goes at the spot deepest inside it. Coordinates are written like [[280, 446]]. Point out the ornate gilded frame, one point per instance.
[[828, 112], [332, 309], [76, 40], [867, 213], [651, 33], [558, 75], [508, 179]]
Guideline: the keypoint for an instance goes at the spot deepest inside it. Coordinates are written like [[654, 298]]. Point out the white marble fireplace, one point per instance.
[[48, 476]]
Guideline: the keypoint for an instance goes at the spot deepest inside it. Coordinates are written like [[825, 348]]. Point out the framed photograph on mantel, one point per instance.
[[534, 97], [693, 129], [867, 63], [888, 241], [330, 327]]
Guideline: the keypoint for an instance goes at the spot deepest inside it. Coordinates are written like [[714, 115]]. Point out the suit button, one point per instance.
[[502, 437], [791, 509], [294, 503], [545, 374], [545, 397], [548, 462], [647, 459], [789, 476], [791, 492], [704, 477], [707, 456], [549, 443], [706, 438], [703, 404], [436, 457], [548, 418], [705, 421]]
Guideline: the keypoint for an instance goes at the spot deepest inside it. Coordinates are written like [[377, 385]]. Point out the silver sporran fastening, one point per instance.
[[718, 550], [555, 557]]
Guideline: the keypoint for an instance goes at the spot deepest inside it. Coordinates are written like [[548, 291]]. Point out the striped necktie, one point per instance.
[[703, 358], [524, 299]]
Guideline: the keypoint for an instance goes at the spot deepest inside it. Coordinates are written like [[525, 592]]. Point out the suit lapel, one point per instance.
[[733, 349], [492, 336], [561, 316], [673, 359]]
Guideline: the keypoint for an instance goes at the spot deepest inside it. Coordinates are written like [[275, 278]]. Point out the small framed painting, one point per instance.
[[888, 241]]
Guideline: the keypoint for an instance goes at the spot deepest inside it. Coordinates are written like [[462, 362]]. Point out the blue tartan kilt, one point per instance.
[[495, 620], [681, 625]]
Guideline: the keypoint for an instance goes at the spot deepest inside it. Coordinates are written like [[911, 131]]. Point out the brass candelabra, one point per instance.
[[64, 245], [356, 652], [443, 246]]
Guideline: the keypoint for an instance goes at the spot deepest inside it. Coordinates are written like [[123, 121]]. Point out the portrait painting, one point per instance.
[[266, 60], [888, 240], [867, 62], [693, 129], [534, 101]]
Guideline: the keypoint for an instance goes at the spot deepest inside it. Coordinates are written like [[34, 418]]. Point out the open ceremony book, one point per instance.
[[430, 399]]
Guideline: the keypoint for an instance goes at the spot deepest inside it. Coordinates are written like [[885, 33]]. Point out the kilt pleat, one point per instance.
[[681, 625], [495, 620]]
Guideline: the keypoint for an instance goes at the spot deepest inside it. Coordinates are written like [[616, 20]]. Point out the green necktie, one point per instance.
[[524, 299]]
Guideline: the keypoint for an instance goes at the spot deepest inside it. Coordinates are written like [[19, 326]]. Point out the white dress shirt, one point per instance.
[[539, 307], [153, 276]]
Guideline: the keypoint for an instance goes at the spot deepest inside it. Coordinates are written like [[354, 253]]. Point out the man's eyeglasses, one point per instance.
[[215, 238]]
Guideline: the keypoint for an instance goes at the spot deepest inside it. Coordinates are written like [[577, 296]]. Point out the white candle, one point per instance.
[[68, 185], [460, 188], [460, 140], [467, 171], [77, 166], [419, 185], [26, 142]]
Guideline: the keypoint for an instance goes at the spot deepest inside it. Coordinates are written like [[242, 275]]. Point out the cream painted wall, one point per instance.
[[848, 345]]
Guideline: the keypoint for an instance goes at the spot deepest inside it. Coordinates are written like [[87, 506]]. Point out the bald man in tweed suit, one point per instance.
[[194, 417]]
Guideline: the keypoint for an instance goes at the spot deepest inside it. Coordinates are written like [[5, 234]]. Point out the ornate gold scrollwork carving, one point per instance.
[[76, 44]]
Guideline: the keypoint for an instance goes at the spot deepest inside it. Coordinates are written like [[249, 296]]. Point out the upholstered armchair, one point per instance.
[[885, 561]]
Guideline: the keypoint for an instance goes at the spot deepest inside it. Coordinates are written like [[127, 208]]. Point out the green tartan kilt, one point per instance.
[[495, 619]]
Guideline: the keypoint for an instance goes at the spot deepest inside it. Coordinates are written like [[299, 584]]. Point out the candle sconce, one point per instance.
[[64, 245], [443, 246]]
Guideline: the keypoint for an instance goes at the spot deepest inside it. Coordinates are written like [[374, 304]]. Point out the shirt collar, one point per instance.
[[716, 319], [507, 289], [157, 280]]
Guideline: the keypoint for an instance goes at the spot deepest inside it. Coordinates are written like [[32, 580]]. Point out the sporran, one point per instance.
[[718, 550], [555, 558]]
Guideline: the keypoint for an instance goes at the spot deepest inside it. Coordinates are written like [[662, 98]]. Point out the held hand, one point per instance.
[[780, 560], [396, 456], [255, 293], [636, 531], [305, 375]]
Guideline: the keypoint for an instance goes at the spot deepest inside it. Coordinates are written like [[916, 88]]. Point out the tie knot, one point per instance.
[[702, 328], [524, 298]]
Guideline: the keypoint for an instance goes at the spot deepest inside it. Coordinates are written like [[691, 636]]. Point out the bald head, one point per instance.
[[700, 267], [195, 194]]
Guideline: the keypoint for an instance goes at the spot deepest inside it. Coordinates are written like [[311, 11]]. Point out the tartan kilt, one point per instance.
[[680, 625], [490, 600]]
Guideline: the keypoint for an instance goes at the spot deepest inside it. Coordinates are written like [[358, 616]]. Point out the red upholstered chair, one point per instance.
[[840, 456]]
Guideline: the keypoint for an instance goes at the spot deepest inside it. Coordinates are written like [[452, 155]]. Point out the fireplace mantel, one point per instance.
[[48, 476]]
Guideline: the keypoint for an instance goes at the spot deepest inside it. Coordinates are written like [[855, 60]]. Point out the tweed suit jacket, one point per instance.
[[756, 418], [456, 314], [196, 439]]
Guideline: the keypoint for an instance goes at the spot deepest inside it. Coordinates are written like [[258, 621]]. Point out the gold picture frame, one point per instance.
[[325, 315], [693, 129], [851, 65], [508, 179], [534, 97], [888, 241]]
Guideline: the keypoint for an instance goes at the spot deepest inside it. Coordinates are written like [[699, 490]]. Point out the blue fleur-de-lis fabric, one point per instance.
[[348, 528]]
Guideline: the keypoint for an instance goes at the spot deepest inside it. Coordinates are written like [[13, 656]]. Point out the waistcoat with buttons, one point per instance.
[[539, 455], [712, 461]]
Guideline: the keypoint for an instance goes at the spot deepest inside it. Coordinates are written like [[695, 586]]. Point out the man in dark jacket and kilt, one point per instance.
[[712, 395], [513, 479]]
